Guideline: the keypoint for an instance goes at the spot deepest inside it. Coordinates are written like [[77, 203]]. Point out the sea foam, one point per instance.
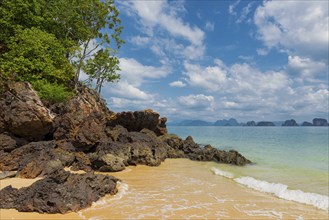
[[279, 190]]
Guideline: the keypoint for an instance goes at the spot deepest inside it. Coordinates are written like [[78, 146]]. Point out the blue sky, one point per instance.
[[210, 60]]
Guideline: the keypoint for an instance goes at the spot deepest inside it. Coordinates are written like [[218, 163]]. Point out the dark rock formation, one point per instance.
[[60, 192], [265, 123], [251, 123], [291, 122], [306, 123], [136, 121], [22, 112], [82, 119], [84, 135], [7, 174], [320, 122]]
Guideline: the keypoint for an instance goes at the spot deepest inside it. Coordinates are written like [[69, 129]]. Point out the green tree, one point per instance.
[[33, 55], [102, 68]]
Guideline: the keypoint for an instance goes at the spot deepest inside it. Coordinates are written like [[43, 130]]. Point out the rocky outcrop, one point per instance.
[[290, 123], [265, 123], [306, 123], [84, 135], [60, 192], [320, 122], [82, 119], [138, 120], [23, 113]]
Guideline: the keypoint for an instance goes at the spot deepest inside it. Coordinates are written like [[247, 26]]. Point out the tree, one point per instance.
[[102, 68], [78, 28], [34, 55]]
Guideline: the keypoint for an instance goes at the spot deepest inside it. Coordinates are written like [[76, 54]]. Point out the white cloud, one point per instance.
[[306, 67], [140, 41], [136, 73], [177, 84], [299, 27], [262, 51], [210, 26], [160, 13], [231, 8], [199, 101]]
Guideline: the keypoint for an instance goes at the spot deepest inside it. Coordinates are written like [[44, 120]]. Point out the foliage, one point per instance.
[[102, 67], [34, 54], [47, 39], [51, 92]]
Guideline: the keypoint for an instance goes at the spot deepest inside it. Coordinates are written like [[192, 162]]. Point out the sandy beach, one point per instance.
[[179, 189]]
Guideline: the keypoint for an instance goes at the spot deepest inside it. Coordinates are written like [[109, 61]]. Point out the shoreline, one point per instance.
[[181, 188]]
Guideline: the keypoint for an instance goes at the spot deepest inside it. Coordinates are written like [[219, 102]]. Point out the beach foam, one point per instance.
[[282, 191], [222, 173], [279, 190]]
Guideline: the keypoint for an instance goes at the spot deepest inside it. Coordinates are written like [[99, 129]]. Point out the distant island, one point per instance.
[[234, 122]]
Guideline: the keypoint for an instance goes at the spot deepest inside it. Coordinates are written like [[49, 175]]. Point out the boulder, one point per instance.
[[109, 163], [138, 120], [7, 174], [290, 123], [320, 122], [82, 119], [60, 192], [23, 114], [7, 143]]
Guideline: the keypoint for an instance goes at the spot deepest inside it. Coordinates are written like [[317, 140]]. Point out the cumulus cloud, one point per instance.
[[133, 76], [160, 13], [177, 84], [164, 27], [199, 101], [298, 27]]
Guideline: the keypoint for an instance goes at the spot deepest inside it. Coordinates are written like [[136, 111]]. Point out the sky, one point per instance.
[[211, 60]]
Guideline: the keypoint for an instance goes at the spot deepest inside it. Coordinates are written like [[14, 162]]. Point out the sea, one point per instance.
[[288, 179], [290, 162]]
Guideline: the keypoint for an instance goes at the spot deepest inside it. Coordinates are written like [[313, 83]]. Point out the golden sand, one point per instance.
[[183, 189]]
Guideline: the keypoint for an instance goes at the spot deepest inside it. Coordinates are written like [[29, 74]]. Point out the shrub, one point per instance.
[[52, 92]]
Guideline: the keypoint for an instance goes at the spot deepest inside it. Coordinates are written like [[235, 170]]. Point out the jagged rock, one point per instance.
[[7, 174], [7, 143], [82, 119], [265, 123], [109, 163], [320, 122], [290, 123], [60, 192], [138, 120], [23, 113], [305, 123]]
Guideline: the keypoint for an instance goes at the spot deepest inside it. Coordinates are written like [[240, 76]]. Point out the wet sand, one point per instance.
[[182, 189]]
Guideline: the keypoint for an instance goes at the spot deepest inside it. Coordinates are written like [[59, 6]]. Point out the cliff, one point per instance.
[[39, 141]]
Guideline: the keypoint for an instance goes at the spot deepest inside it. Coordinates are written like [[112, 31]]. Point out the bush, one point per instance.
[[52, 92]]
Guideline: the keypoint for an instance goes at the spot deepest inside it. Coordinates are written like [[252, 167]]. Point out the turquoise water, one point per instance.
[[294, 156]]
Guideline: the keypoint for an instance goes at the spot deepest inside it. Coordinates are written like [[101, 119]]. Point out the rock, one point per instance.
[[59, 193], [23, 113], [7, 143], [109, 163], [138, 120], [31, 170], [265, 123], [305, 123], [320, 122], [7, 174], [82, 119], [251, 123], [290, 123]]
